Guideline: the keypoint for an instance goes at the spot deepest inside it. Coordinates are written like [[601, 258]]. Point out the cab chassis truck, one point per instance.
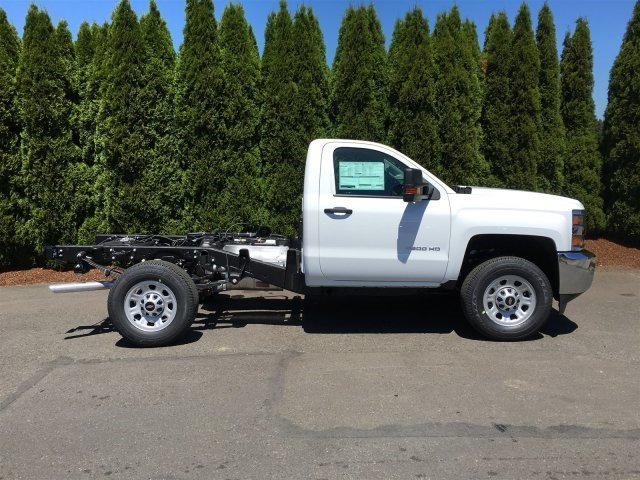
[[372, 220]]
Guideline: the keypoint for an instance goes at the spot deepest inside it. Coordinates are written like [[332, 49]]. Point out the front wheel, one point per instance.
[[507, 298], [153, 303]]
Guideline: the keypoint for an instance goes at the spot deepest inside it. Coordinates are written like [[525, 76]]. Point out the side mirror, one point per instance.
[[415, 188]]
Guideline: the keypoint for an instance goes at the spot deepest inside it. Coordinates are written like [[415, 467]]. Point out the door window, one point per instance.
[[366, 172]]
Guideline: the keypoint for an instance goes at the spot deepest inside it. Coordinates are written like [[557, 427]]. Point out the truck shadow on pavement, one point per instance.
[[435, 314], [364, 315]]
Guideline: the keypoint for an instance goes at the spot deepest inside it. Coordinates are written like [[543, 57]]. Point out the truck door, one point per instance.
[[367, 233]]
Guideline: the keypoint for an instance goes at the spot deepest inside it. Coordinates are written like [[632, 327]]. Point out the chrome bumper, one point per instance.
[[575, 270]]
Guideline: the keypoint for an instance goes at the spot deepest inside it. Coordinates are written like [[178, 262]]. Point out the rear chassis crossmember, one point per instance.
[[212, 269]]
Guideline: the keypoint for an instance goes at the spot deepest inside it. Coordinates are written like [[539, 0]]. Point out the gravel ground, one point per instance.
[[610, 255]]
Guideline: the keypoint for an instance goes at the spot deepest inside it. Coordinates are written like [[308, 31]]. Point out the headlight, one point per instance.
[[577, 230]]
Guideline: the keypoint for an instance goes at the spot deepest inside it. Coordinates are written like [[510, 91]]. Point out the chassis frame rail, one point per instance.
[[209, 267]]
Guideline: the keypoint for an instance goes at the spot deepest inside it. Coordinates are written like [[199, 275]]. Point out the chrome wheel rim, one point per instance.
[[509, 300], [150, 306]]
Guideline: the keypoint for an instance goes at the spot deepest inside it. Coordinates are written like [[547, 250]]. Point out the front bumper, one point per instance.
[[575, 275]]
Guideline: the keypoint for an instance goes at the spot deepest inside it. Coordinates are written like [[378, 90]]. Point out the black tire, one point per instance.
[[165, 273], [477, 284]]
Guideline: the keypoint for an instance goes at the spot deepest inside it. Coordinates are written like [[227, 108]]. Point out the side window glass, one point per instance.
[[366, 172]]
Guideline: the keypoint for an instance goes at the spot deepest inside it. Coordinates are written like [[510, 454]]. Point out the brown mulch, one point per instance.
[[45, 275], [611, 256]]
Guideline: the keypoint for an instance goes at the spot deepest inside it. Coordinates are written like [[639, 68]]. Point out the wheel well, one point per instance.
[[538, 250]]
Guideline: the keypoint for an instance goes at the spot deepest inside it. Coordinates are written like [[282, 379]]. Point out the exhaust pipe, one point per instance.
[[80, 287]]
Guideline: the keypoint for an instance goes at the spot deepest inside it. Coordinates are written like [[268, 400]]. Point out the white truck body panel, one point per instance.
[[386, 242]]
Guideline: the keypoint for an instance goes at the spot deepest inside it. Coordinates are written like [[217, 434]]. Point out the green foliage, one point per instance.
[[621, 136], [123, 142], [360, 77], [47, 149], [552, 136], [117, 133], [9, 141], [582, 163], [294, 109], [278, 118], [311, 76], [413, 121], [91, 49], [199, 86], [496, 110], [521, 171], [239, 154], [162, 181], [458, 96]]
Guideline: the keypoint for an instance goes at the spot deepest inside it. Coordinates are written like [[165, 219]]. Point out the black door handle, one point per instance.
[[334, 210]]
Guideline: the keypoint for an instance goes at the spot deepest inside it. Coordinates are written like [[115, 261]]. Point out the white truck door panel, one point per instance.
[[366, 232]]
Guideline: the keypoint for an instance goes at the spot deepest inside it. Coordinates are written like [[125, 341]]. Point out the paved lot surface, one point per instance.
[[379, 388]]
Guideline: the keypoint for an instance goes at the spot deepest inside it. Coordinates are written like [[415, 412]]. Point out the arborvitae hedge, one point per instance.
[[9, 143], [521, 173], [47, 148], [162, 182], [199, 86], [552, 136], [360, 77], [89, 198], [118, 133], [278, 118], [582, 162], [124, 144], [413, 121], [240, 199], [496, 109], [311, 76], [458, 102], [621, 136]]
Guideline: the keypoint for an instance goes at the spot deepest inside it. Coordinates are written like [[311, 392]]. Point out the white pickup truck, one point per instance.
[[371, 219]]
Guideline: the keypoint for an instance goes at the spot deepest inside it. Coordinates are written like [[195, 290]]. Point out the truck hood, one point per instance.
[[502, 198]]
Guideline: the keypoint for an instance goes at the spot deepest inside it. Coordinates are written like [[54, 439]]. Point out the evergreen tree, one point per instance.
[[47, 147], [162, 181], [78, 177], [621, 136], [582, 163], [496, 110], [90, 176], [125, 148], [199, 85], [9, 142], [66, 51], [85, 48], [458, 102], [552, 136], [470, 33], [278, 119], [311, 109], [239, 152], [413, 126], [360, 77], [311, 76], [521, 171]]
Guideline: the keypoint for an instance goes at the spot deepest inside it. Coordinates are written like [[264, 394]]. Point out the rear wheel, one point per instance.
[[153, 303], [507, 298]]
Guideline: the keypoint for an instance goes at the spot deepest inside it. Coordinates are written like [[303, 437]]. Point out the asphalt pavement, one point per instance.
[[367, 388]]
